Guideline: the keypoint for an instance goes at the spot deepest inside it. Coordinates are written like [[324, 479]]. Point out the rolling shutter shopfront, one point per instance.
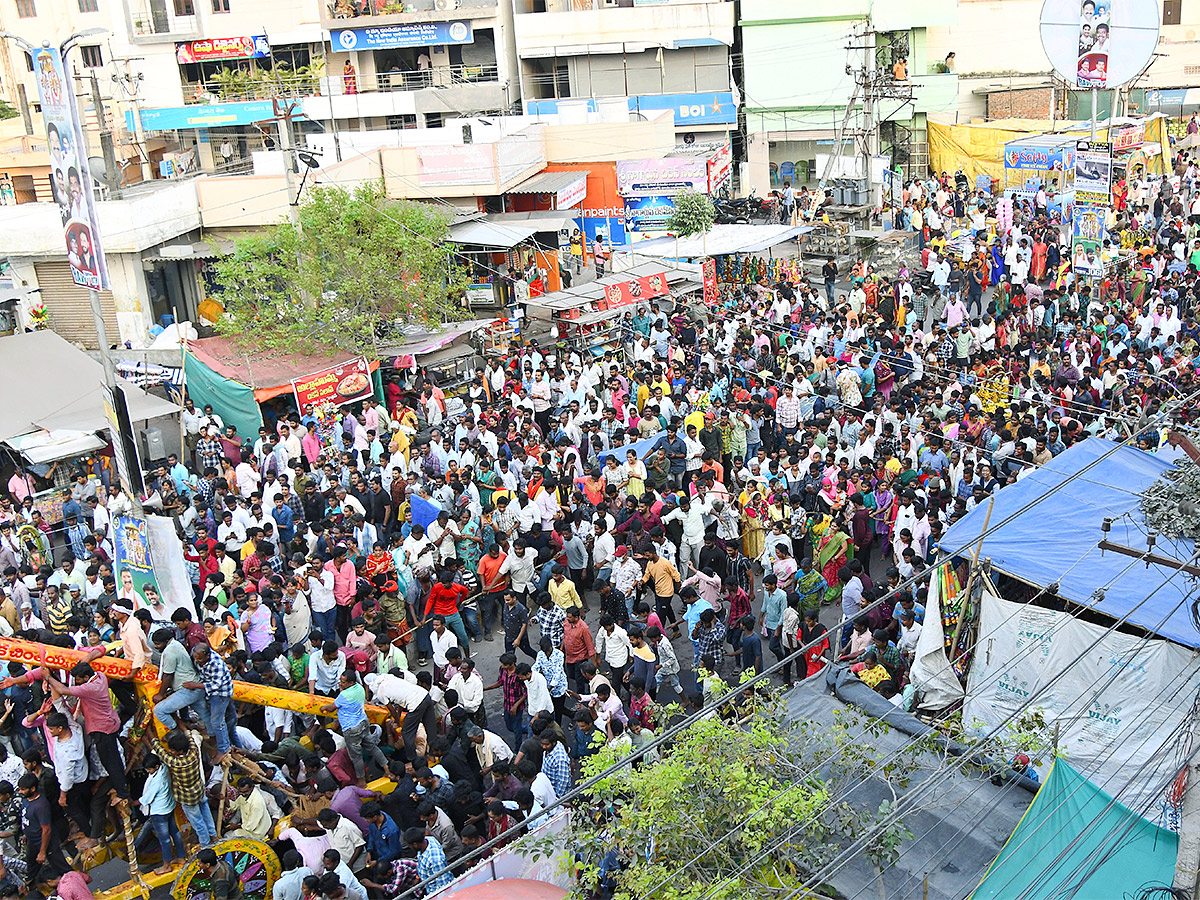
[[70, 308]]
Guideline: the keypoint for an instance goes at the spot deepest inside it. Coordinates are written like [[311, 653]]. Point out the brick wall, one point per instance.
[[1030, 103]]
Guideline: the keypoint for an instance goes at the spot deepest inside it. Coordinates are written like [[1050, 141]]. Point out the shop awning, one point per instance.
[[41, 447], [545, 220], [581, 295], [61, 388], [721, 240], [419, 343], [482, 233], [209, 249], [546, 183]]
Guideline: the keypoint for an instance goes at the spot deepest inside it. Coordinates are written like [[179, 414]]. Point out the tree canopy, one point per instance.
[[694, 213], [737, 810], [358, 267]]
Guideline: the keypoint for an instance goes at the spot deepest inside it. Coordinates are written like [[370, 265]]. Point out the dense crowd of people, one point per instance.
[[636, 528]]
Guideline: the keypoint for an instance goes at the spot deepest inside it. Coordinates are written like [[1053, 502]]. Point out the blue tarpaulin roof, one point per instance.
[[1076, 841], [1063, 532]]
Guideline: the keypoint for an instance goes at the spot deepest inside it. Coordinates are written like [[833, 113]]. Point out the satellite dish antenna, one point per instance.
[[98, 170], [1099, 44]]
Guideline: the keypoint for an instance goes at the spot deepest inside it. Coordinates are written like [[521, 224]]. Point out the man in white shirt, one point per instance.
[[469, 686]]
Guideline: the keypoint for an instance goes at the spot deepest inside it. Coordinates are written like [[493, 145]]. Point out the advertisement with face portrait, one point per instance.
[[137, 587], [70, 177]]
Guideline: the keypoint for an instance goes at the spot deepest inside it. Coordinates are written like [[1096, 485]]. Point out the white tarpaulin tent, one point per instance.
[[931, 673], [1118, 708], [721, 240], [61, 388]]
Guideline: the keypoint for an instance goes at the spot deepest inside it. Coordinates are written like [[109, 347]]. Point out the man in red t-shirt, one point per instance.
[[443, 601]]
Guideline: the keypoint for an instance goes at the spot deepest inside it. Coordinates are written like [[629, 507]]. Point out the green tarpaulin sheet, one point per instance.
[[233, 401], [1075, 841]]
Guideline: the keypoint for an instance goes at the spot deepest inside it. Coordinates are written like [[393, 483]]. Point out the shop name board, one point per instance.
[[416, 34], [172, 118], [573, 193], [1129, 137], [714, 108], [635, 290], [664, 177], [240, 47], [1044, 158], [344, 383]]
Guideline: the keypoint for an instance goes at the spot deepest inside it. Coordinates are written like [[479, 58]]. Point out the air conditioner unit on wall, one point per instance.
[[445, 5]]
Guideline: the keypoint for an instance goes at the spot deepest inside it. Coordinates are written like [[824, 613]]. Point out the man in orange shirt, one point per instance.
[[493, 583], [664, 577]]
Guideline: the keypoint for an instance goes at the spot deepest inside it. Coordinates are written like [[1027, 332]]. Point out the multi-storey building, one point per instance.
[[652, 54], [801, 66]]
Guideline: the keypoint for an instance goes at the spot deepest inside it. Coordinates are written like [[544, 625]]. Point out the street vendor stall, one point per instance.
[[584, 316], [736, 252], [55, 424], [237, 383], [1041, 159]]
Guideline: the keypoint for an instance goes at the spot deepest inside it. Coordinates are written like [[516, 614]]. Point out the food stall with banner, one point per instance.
[[740, 254], [239, 385], [588, 316], [1040, 159]]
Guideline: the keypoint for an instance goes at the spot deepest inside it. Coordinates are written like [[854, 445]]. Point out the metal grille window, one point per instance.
[[92, 57], [26, 9]]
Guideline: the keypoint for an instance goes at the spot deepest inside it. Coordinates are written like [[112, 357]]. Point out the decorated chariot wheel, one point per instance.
[[254, 862]]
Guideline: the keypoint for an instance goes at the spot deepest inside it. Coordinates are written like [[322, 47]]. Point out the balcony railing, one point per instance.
[[148, 22], [353, 9], [245, 86]]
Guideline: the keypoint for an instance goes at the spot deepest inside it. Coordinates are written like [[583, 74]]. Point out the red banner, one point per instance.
[[708, 271], [240, 47], [339, 384], [636, 290]]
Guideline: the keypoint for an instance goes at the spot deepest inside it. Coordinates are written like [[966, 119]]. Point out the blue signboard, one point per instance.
[[1017, 156], [214, 116], [648, 213], [417, 34], [1166, 98], [715, 108], [612, 227]]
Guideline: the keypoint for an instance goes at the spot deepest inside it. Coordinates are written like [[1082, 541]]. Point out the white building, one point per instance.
[[669, 54]]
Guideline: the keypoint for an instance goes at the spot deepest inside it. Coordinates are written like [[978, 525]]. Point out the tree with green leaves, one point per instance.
[[737, 808], [693, 214], [8, 111], [356, 268]]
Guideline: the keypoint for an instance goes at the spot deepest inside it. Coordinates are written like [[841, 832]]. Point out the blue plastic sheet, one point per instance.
[[1058, 539]]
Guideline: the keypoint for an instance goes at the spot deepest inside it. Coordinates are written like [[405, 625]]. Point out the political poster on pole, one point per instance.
[[70, 177], [1093, 173], [137, 586]]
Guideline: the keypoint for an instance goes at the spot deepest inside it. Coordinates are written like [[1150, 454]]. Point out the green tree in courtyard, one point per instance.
[[358, 267]]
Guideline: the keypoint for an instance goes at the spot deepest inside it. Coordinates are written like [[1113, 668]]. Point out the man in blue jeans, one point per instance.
[[770, 620], [175, 671], [217, 682]]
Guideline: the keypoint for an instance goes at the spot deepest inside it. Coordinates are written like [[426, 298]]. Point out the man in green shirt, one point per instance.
[[224, 883]]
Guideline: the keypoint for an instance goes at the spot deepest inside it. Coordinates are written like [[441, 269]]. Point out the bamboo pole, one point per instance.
[[962, 615]]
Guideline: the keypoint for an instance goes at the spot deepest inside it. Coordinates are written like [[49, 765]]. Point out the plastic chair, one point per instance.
[[787, 172], [773, 169]]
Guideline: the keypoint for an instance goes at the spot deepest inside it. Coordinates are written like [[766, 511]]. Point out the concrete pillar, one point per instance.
[[758, 163]]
